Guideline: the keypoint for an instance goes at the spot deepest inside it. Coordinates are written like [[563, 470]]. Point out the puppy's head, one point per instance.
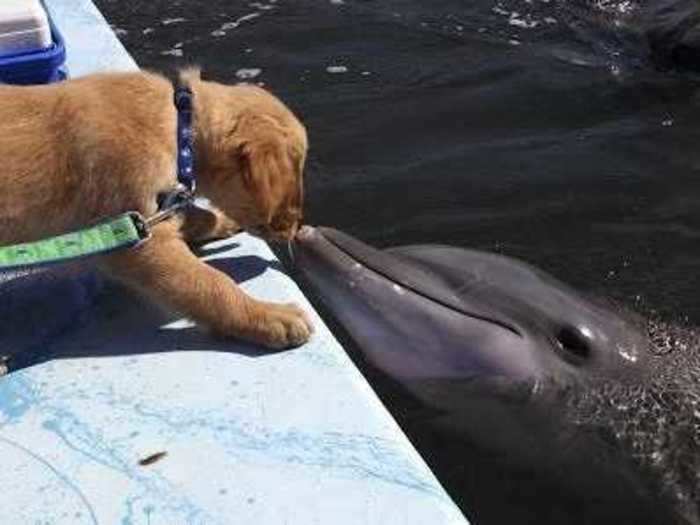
[[253, 156], [271, 157]]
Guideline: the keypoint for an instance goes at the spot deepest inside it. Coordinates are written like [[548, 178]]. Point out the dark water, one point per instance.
[[537, 129], [558, 143]]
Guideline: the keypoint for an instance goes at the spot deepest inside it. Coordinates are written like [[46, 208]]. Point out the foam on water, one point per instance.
[[337, 69], [248, 73]]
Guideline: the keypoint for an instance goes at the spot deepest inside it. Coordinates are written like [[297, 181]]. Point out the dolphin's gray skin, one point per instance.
[[672, 29], [449, 312], [630, 35], [529, 394]]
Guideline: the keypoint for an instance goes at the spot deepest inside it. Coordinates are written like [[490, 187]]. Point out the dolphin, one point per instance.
[[532, 402], [672, 31]]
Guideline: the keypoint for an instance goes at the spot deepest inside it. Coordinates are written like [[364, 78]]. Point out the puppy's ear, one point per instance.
[[264, 153]]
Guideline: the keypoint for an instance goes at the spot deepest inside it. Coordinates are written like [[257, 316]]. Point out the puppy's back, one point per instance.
[[62, 146]]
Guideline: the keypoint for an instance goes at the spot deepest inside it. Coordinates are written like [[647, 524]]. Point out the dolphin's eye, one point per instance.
[[574, 342]]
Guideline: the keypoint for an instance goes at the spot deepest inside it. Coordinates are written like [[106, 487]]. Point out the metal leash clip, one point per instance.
[[169, 204]]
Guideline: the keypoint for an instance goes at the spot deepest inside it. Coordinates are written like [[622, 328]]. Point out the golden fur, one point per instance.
[[78, 151]]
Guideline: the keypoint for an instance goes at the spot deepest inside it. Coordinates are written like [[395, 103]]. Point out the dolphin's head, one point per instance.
[[535, 403], [435, 312]]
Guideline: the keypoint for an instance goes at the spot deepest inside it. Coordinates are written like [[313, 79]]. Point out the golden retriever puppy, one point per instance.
[[86, 149]]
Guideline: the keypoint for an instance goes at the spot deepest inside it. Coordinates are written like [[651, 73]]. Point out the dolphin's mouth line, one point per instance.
[[502, 324]]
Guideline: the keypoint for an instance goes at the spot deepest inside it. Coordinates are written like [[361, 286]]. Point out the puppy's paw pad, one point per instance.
[[285, 326]]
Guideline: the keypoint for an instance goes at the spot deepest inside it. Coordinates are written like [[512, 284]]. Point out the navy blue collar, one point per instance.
[[183, 194], [185, 137]]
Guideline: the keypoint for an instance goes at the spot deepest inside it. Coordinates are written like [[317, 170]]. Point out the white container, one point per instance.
[[24, 27]]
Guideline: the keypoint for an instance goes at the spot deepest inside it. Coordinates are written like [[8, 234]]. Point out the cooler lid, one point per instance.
[[22, 15]]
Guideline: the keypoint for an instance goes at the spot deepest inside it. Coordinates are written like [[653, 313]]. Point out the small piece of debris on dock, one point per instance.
[[149, 460]]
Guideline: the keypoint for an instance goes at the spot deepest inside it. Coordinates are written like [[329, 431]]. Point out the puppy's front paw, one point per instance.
[[282, 325]]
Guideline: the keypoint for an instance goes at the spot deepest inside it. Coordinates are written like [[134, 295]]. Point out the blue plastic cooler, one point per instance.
[[39, 66]]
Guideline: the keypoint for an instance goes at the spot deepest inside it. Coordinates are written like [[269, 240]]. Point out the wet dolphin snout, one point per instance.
[[305, 234]]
